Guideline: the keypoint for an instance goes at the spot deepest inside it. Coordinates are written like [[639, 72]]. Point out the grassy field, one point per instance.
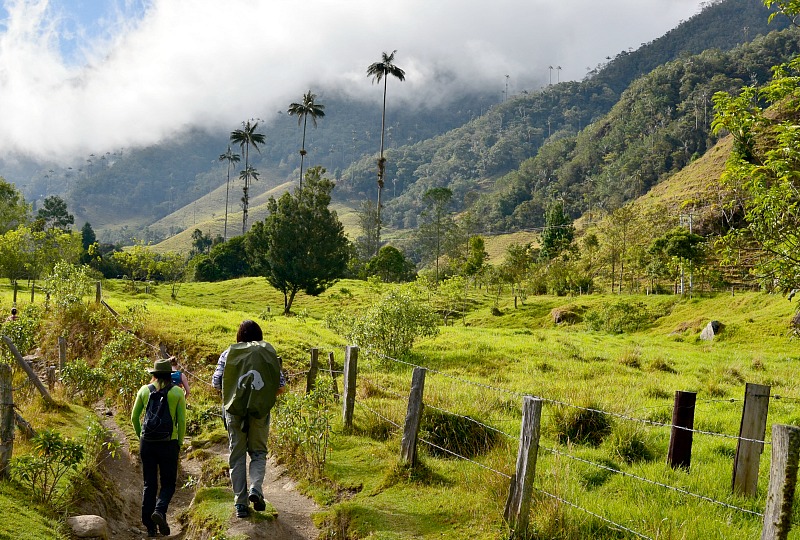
[[480, 368]]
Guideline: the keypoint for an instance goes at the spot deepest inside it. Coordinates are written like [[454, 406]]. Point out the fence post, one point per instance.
[[98, 292], [519, 493], [311, 376], [6, 419], [680, 440], [332, 368], [753, 426], [408, 445], [33, 289], [31, 374], [782, 482], [62, 353], [15, 292], [350, 374]]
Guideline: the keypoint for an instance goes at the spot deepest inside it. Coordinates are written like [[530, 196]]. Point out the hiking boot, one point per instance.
[[259, 504], [242, 510], [151, 532], [160, 520]]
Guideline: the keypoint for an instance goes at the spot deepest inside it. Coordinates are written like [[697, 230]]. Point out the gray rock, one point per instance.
[[89, 527], [711, 330]]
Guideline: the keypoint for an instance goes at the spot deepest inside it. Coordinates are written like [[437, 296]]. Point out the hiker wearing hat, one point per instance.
[[159, 419]]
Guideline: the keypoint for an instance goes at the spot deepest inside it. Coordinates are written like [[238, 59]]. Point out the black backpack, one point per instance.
[[157, 423]]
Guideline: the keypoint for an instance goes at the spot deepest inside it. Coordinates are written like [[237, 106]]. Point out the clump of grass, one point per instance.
[[455, 433], [659, 364], [714, 389], [758, 365], [581, 425], [214, 471], [657, 392], [631, 358], [544, 367], [630, 444]]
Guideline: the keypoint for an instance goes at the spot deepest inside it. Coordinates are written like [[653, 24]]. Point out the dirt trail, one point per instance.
[[124, 510]]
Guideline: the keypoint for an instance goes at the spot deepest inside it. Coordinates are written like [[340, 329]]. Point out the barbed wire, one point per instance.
[[647, 480], [384, 389], [565, 404], [598, 516], [478, 422], [379, 415], [464, 458]]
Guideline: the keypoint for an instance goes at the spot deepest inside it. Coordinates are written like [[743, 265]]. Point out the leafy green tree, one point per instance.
[[231, 158], [201, 242], [680, 246], [366, 243], [307, 107], [171, 267], [476, 257], [54, 214], [391, 266], [558, 231], [15, 245], [245, 138], [88, 237], [433, 234], [13, 208], [381, 71], [138, 262], [227, 260], [301, 245]]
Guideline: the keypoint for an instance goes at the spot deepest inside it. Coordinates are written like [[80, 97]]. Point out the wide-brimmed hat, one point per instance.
[[161, 366]]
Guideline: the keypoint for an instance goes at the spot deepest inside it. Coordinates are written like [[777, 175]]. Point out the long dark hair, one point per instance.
[[249, 331], [161, 380]]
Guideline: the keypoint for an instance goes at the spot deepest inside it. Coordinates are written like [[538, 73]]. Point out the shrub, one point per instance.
[[458, 434], [52, 456], [21, 331], [581, 425], [67, 285], [619, 317], [301, 429], [79, 378]]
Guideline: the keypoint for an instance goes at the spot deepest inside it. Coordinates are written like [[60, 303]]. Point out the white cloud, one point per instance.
[[212, 63]]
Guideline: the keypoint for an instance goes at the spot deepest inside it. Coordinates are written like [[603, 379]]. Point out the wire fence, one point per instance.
[[567, 455]]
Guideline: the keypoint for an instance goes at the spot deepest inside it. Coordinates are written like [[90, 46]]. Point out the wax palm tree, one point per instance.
[[245, 138], [382, 70], [308, 107], [231, 157]]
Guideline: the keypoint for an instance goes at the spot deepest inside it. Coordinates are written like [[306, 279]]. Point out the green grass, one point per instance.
[[30, 521], [518, 352]]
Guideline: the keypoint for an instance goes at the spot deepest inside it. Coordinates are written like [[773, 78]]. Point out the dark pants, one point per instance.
[[158, 457]]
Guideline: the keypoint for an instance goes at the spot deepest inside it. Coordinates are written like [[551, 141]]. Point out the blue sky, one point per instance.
[[89, 76]]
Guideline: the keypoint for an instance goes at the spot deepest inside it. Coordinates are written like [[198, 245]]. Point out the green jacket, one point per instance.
[[177, 410]]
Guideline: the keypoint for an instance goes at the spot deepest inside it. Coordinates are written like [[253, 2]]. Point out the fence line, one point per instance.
[[606, 520], [565, 404], [508, 476], [648, 481], [379, 415]]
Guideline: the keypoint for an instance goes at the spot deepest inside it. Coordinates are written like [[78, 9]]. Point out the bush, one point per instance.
[[67, 285], [21, 331], [581, 425], [79, 378], [619, 317], [51, 458], [458, 434]]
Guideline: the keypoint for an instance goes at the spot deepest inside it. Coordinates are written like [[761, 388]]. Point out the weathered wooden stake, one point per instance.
[[24, 426], [332, 368], [15, 293], [782, 482], [753, 426], [680, 440], [519, 494], [51, 377], [109, 308], [31, 374], [408, 445], [33, 289], [311, 376], [62, 353], [6, 419], [350, 374], [98, 292]]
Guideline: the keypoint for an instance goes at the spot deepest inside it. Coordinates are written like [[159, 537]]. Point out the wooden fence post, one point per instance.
[[6, 419], [311, 376], [519, 493], [31, 374], [753, 426], [350, 375], [98, 292], [15, 292], [782, 482], [332, 368], [408, 445], [680, 440], [62, 353], [33, 289]]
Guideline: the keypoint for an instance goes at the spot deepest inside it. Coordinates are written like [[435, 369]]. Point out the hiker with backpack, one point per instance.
[[178, 377], [159, 419], [249, 375]]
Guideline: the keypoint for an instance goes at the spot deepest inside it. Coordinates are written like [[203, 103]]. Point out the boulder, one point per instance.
[[711, 330], [89, 527], [564, 315]]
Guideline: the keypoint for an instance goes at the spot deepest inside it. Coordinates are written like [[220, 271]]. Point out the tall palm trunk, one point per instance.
[[381, 171], [246, 195], [227, 191], [303, 150]]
